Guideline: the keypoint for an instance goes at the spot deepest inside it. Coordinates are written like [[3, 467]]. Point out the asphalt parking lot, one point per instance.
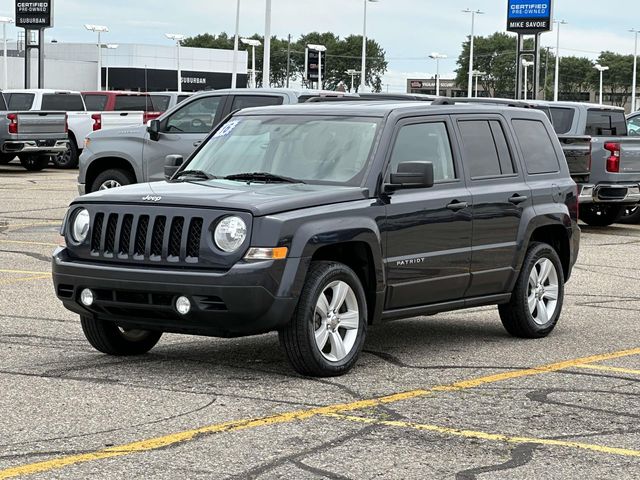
[[450, 396]]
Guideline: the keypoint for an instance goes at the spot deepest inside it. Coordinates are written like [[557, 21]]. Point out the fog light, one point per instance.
[[86, 297], [183, 305]]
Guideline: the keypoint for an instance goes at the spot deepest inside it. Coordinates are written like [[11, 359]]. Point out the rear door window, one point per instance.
[[634, 125], [606, 123], [537, 147], [248, 101], [96, 103], [486, 152], [20, 101], [198, 116], [562, 119], [63, 101]]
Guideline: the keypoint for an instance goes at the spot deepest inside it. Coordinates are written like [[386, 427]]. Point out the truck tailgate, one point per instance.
[[121, 119], [629, 169], [577, 150], [40, 124]]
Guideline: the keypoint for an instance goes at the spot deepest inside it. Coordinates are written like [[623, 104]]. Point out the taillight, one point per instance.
[[613, 160], [97, 121], [13, 123], [66, 123]]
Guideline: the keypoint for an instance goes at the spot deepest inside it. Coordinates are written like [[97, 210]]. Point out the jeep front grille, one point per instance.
[[145, 237]]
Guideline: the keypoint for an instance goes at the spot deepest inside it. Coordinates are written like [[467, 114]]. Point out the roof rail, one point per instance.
[[507, 102]]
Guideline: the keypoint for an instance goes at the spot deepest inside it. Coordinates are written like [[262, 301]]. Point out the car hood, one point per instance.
[[257, 198]]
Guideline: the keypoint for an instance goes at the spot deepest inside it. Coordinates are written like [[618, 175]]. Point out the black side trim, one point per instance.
[[445, 307]]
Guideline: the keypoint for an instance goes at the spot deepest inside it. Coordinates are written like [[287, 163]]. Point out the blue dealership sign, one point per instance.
[[529, 16]]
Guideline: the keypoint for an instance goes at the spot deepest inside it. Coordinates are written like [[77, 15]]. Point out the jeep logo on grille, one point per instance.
[[151, 198]]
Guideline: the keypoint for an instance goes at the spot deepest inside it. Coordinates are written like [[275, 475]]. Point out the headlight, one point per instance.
[[80, 226], [230, 234]]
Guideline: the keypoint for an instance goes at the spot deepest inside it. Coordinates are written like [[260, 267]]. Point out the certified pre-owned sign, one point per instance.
[[34, 15], [529, 16]]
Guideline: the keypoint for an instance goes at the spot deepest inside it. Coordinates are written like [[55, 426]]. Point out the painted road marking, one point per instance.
[[237, 425], [23, 242], [605, 368], [23, 272], [25, 279], [494, 437]]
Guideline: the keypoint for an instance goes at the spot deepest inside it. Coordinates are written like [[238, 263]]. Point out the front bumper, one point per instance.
[[621, 193], [245, 300], [32, 146]]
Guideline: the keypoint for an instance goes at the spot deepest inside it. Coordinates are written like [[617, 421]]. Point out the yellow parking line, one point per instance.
[[605, 368], [23, 242], [24, 272], [494, 437], [34, 224], [25, 279], [187, 435]]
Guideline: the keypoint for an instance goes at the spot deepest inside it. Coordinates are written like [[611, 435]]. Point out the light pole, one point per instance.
[[319, 49], [177, 37], [471, 45], [353, 72], [253, 44], [99, 29], [601, 69], [635, 71], [437, 57], [556, 85], [4, 21], [266, 61], [109, 46], [234, 67], [526, 64], [477, 74], [363, 69]]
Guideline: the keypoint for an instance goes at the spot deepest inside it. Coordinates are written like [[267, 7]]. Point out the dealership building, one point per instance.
[[135, 67]]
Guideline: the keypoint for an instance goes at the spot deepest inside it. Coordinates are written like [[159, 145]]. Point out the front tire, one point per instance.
[[112, 178], [597, 215], [329, 327], [536, 301], [34, 163], [109, 338]]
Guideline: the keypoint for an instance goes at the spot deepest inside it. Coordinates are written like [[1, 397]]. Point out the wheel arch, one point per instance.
[[102, 164]]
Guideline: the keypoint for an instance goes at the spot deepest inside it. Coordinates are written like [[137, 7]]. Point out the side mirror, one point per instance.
[[172, 164], [412, 175], [154, 130]]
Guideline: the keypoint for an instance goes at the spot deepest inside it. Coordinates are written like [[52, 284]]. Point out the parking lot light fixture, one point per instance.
[[601, 69], [236, 38], [253, 43], [363, 70], [556, 88], [266, 59], [352, 72], [477, 74], [437, 57], [109, 46], [634, 87], [471, 46], [526, 64], [178, 38], [99, 29], [319, 49], [5, 21]]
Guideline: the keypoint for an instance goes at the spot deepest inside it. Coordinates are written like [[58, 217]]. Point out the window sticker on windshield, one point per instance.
[[226, 129]]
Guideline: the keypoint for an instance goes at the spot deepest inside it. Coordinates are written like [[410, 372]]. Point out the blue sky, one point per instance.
[[408, 29]]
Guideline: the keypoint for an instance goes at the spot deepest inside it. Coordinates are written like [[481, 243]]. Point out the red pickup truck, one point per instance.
[[110, 101]]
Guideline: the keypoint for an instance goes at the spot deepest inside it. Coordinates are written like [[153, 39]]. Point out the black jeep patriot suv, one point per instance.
[[319, 220]]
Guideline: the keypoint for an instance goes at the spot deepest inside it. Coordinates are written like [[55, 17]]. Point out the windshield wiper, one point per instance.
[[262, 177], [196, 173]]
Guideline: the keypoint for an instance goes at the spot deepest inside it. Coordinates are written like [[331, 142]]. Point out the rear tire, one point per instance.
[[6, 158], [533, 312], [107, 337], [597, 215], [112, 178], [68, 159], [630, 215], [34, 163], [329, 327]]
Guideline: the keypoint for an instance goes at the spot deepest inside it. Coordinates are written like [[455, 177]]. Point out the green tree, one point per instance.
[[617, 80], [575, 78]]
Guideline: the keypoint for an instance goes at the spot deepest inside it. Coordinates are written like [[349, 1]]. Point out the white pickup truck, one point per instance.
[[80, 122]]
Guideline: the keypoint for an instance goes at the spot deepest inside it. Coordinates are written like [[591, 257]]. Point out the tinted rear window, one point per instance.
[[537, 147], [486, 153], [20, 101], [606, 123], [562, 119], [182, 98], [96, 103], [249, 101], [63, 101], [3, 104], [160, 102], [133, 102]]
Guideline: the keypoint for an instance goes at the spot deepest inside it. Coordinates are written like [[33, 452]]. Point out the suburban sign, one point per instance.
[[34, 15], [529, 16]]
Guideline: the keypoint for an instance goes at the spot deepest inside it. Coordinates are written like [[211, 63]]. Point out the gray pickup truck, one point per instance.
[[33, 137], [122, 156]]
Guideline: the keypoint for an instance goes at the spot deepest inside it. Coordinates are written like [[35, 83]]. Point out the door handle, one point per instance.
[[456, 205], [518, 199], [197, 144]]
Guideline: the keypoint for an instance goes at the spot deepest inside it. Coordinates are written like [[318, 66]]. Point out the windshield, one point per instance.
[[312, 149]]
